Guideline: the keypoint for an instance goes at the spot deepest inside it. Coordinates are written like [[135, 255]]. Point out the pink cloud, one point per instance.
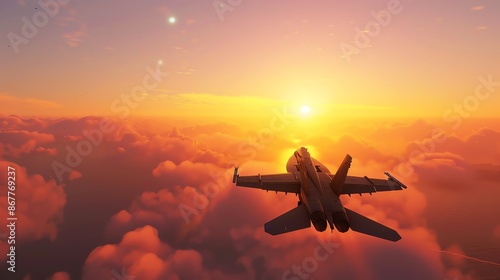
[[185, 173], [60, 276], [39, 204], [74, 175], [17, 142], [143, 255], [176, 165]]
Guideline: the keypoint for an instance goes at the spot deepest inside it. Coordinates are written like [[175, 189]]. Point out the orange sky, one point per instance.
[[410, 87], [425, 59]]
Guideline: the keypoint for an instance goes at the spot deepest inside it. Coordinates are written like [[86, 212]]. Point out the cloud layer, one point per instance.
[[155, 201]]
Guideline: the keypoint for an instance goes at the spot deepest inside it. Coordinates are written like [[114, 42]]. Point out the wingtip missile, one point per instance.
[[395, 180], [235, 176]]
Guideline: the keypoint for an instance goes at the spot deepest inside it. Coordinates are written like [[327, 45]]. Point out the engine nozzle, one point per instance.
[[319, 221], [340, 221]]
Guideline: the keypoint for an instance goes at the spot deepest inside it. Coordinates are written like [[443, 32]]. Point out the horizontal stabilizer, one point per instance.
[[295, 219], [362, 224]]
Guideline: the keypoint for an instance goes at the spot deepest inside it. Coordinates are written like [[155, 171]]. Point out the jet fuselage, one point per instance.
[[316, 193], [319, 190]]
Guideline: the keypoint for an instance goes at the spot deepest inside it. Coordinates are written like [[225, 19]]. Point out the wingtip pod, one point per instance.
[[395, 180], [235, 176]]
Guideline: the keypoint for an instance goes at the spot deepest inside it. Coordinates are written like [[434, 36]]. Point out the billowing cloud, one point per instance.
[[60, 276], [15, 142], [38, 203], [187, 172], [74, 175], [166, 210], [480, 146], [143, 255], [172, 185]]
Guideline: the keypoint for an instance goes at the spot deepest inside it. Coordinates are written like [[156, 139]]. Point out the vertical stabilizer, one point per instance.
[[338, 180]]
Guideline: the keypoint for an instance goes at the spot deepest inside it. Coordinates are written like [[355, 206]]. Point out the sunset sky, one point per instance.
[[427, 57], [169, 95]]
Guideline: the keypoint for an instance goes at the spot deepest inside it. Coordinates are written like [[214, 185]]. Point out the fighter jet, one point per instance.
[[319, 191]]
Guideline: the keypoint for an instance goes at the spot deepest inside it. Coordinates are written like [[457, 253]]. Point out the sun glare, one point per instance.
[[304, 110]]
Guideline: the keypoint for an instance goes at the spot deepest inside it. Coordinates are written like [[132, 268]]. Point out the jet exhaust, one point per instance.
[[319, 221], [340, 221]]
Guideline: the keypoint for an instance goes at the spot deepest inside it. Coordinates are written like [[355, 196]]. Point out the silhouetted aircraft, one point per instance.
[[319, 191]]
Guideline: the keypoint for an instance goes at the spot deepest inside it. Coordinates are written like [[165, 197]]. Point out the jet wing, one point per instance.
[[359, 185], [284, 182]]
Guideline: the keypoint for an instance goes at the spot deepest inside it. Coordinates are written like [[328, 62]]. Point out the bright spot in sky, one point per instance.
[[305, 110], [171, 20], [160, 62]]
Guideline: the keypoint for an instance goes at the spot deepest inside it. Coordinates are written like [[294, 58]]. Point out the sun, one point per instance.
[[304, 110]]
